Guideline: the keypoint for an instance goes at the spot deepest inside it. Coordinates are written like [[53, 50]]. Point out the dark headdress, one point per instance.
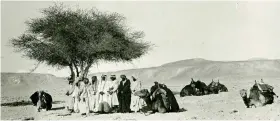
[[123, 76], [94, 78], [133, 78], [113, 77]]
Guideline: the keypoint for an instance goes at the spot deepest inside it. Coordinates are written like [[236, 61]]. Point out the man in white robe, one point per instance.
[[70, 105], [84, 95], [102, 93], [112, 97], [93, 94], [76, 95], [136, 102]]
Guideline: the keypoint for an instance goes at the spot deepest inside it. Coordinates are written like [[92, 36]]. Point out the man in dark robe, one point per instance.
[[171, 98], [124, 95], [154, 87]]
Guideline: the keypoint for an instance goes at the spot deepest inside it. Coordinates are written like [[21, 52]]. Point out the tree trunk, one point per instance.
[[81, 71], [84, 70], [77, 70], [72, 71]]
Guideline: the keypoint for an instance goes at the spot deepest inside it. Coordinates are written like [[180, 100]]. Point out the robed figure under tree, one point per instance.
[[124, 95], [102, 95], [93, 95], [113, 97]]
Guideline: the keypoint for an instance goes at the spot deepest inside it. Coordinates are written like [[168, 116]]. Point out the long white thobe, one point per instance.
[[136, 102], [84, 95], [76, 97], [103, 87], [93, 96], [75, 94], [113, 98], [71, 100]]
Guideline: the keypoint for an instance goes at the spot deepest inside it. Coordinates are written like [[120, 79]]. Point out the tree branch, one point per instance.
[[77, 69], [72, 71], [36, 66], [82, 70], [87, 68]]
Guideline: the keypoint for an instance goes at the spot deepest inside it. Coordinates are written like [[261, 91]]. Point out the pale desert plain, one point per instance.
[[16, 89]]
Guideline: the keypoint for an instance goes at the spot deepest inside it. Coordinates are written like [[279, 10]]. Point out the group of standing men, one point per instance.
[[104, 96]]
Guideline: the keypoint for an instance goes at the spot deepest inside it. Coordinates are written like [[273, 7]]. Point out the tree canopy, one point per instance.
[[80, 38]]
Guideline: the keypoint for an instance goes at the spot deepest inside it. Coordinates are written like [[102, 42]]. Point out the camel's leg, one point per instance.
[[148, 113], [262, 100], [38, 106], [255, 106], [259, 104], [250, 104]]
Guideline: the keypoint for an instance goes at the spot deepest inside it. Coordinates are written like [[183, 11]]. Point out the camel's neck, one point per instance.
[[246, 101], [148, 101]]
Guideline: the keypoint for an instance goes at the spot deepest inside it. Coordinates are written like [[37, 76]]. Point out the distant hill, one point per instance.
[[172, 74], [258, 59], [21, 84], [180, 72]]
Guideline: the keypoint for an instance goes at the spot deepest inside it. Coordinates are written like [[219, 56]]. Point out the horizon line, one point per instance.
[[250, 59]]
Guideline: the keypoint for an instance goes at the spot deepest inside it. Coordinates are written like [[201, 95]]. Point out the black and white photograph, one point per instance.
[[140, 60]]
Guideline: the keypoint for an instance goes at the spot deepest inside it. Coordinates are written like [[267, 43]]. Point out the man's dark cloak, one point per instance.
[[124, 96]]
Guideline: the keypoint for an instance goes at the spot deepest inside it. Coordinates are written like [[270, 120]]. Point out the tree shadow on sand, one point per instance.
[[25, 103]]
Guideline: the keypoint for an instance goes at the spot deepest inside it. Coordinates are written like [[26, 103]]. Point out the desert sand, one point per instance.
[[16, 89]]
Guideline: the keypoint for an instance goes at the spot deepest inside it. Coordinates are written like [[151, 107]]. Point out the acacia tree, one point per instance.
[[79, 38]]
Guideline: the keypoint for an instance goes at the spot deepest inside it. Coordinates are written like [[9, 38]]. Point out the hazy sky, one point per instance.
[[180, 30]]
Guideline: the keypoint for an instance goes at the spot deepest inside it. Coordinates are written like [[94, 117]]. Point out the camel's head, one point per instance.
[[243, 93], [142, 93], [193, 83], [41, 95], [160, 92]]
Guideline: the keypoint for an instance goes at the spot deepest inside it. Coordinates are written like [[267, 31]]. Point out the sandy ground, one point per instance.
[[223, 106]]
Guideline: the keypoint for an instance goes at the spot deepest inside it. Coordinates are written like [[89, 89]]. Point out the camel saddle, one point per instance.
[[266, 87]]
